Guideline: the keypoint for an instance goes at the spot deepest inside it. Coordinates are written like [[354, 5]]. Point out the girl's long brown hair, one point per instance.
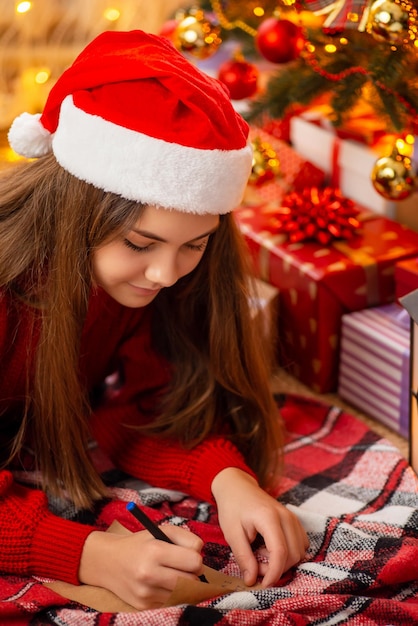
[[50, 224], [221, 364]]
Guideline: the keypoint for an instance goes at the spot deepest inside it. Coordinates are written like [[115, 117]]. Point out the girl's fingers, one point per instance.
[[183, 537], [244, 557]]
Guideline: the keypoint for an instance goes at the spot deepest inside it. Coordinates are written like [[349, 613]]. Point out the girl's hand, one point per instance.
[[141, 570], [244, 510]]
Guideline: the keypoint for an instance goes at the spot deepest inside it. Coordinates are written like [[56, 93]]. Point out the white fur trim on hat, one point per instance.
[[28, 137], [149, 170]]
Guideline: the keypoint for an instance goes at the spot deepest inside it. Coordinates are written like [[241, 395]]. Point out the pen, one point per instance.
[[155, 530]]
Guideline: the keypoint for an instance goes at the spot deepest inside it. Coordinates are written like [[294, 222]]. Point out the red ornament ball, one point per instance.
[[279, 41], [240, 77]]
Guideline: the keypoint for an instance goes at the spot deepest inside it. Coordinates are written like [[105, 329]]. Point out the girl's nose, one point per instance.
[[162, 270]]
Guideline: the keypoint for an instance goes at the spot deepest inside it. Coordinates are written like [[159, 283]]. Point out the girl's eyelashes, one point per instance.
[[132, 246], [199, 246], [196, 247]]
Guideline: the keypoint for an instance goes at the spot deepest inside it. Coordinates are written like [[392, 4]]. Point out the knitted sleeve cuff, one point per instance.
[[164, 463], [211, 458], [56, 548]]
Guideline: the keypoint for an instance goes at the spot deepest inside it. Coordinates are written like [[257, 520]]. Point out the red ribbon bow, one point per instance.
[[317, 214]]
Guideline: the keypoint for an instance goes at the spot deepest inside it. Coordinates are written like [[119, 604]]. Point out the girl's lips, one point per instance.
[[144, 291]]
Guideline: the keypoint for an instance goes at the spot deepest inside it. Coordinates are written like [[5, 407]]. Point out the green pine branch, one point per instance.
[[387, 79], [389, 73], [292, 86]]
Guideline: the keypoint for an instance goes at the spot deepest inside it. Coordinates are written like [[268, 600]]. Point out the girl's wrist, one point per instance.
[[95, 552], [229, 477]]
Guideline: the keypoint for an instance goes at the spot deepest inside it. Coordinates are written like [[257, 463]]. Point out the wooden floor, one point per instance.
[[282, 382]]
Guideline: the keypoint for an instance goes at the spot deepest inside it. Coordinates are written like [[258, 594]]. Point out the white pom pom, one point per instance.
[[28, 137]]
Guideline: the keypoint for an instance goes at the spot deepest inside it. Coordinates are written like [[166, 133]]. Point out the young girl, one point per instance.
[[119, 254]]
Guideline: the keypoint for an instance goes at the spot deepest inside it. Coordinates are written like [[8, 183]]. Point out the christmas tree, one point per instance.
[[354, 60], [348, 51]]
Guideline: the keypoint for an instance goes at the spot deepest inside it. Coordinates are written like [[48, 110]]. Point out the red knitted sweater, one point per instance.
[[32, 539]]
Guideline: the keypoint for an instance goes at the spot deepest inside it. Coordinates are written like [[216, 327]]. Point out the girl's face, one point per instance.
[[162, 247]]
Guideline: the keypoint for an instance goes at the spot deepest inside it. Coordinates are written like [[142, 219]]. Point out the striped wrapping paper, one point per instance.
[[374, 364]]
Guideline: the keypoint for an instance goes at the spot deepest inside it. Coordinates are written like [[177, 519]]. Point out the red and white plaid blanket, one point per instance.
[[357, 498]]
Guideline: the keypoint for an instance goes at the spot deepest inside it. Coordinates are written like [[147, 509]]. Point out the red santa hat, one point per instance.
[[132, 116]]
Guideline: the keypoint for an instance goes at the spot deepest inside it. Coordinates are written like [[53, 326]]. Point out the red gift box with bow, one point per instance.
[[319, 283]]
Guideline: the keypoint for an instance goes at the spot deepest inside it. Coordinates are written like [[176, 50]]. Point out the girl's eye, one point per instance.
[[191, 246], [198, 247], [132, 246]]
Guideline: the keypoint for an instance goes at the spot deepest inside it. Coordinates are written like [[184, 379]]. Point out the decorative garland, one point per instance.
[[317, 6], [226, 24]]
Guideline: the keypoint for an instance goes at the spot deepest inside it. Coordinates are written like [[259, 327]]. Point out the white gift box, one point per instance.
[[352, 163], [374, 364]]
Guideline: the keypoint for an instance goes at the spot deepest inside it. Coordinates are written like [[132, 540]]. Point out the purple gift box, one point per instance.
[[374, 364]]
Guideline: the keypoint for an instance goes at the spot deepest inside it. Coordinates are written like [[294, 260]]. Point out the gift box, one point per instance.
[[406, 211], [410, 303], [264, 305], [320, 283], [406, 276], [347, 163], [374, 364], [294, 172]]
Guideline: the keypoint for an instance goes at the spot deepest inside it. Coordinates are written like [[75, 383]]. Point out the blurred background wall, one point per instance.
[[39, 39]]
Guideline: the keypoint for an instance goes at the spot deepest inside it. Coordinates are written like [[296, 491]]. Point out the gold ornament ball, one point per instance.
[[197, 35], [266, 165], [389, 20], [394, 177]]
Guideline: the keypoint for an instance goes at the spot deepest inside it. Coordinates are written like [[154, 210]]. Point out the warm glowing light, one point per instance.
[[307, 18], [405, 146], [385, 17], [343, 41], [353, 17], [112, 14], [331, 48], [190, 36], [8, 155], [42, 77], [23, 7], [189, 21], [258, 11]]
